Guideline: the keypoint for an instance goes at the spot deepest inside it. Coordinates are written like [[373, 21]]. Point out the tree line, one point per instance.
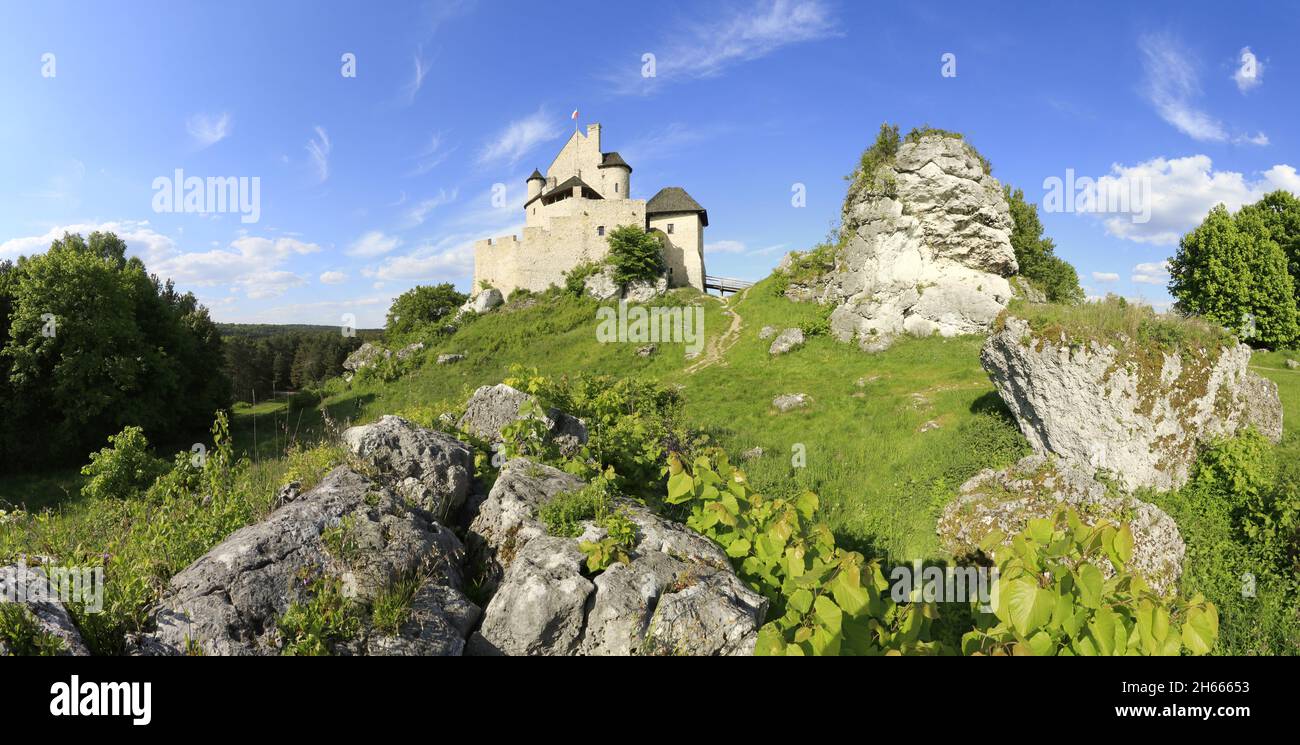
[[260, 364]]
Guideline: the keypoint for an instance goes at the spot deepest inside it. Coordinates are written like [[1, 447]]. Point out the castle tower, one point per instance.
[[535, 183]]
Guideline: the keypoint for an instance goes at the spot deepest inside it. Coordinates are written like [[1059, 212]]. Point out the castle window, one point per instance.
[[670, 228], [600, 230], [615, 188]]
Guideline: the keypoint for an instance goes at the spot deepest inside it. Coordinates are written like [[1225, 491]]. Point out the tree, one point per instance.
[[635, 255], [422, 306], [1231, 271], [1280, 213], [94, 344], [1036, 254]]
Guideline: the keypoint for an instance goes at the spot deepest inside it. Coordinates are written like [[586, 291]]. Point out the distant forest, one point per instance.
[[263, 359]]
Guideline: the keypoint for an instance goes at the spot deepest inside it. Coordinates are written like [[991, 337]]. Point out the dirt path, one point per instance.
[[715, 349]]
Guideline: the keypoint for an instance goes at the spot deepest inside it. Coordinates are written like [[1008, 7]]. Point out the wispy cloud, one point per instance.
[[433, 154], [668, 140], [519, 137], [1172, 85], [1105, 276], [319, 148], [705, 47], [417, 79], [1250, 71], [419, 212], [374, 243], [724, 247], [208, 129], [333, 278]]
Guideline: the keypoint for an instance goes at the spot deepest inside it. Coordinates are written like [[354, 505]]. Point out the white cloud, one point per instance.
[[672, 139], [1172, 84], [519, 137], [724, 247], [430, 157], [417, 81], [141, 240], [333, 278], [251, 263], [1152, 273], [319, 148], [1250, 71], [705, 47], [374, 243], [419, 212], [207, 129], [432, 265], [1183, 190], [1105, 276]]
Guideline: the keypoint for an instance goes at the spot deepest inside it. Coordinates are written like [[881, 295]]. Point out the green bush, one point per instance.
[[124, 470], [22, 636], [565, 514], [1055, 600], [313, 628], [576, 278], [635, 255], [824, 600], [422, 309]]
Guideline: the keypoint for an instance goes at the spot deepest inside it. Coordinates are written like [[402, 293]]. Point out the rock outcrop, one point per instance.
[[601, 286], [348, 527], [787, 341], [492, 408], [1035, 488], [483, 302], [30, 589], [677, 594], [386, 525], [926, 249], [1140, 414], [427, 468]]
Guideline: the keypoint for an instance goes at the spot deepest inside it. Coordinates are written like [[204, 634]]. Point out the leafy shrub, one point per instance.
[[620, 538], [576, 278], [824, 600], [821, 324], [1232, 516], [631, 425], [880, 155], [422, 309], [123, 470], [22, 636], [635, 255], [565, 514], [328, 618], [1053, 598]]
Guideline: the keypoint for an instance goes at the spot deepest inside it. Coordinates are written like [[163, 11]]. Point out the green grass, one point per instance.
[[1114, 320], [882, 481]]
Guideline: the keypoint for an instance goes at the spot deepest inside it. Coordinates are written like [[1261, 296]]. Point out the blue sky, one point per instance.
[[375, 183]]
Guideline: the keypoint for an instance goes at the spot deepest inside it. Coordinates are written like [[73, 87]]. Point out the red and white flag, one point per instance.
[[574, 116]]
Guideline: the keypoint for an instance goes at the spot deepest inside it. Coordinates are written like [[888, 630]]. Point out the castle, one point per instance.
[[570, 211]]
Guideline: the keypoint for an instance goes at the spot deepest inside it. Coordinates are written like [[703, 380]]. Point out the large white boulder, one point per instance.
[[1126, 408]]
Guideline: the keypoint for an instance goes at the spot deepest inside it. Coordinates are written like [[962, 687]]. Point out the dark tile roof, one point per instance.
[[613, 159], [674, 199], [536, 175]]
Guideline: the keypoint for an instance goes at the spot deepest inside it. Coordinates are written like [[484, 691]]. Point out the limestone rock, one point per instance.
[[429, 469], [787, 341], [365, 355], [409, 350], [494, 407], [1036, 487], [1143, 418], [677, 594], [229, 600], [647, 351], [931, 253], [448, 359], [767, 332], [790, 401], [30, 588], [1292, 364], [484, 301], [601, 286]]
